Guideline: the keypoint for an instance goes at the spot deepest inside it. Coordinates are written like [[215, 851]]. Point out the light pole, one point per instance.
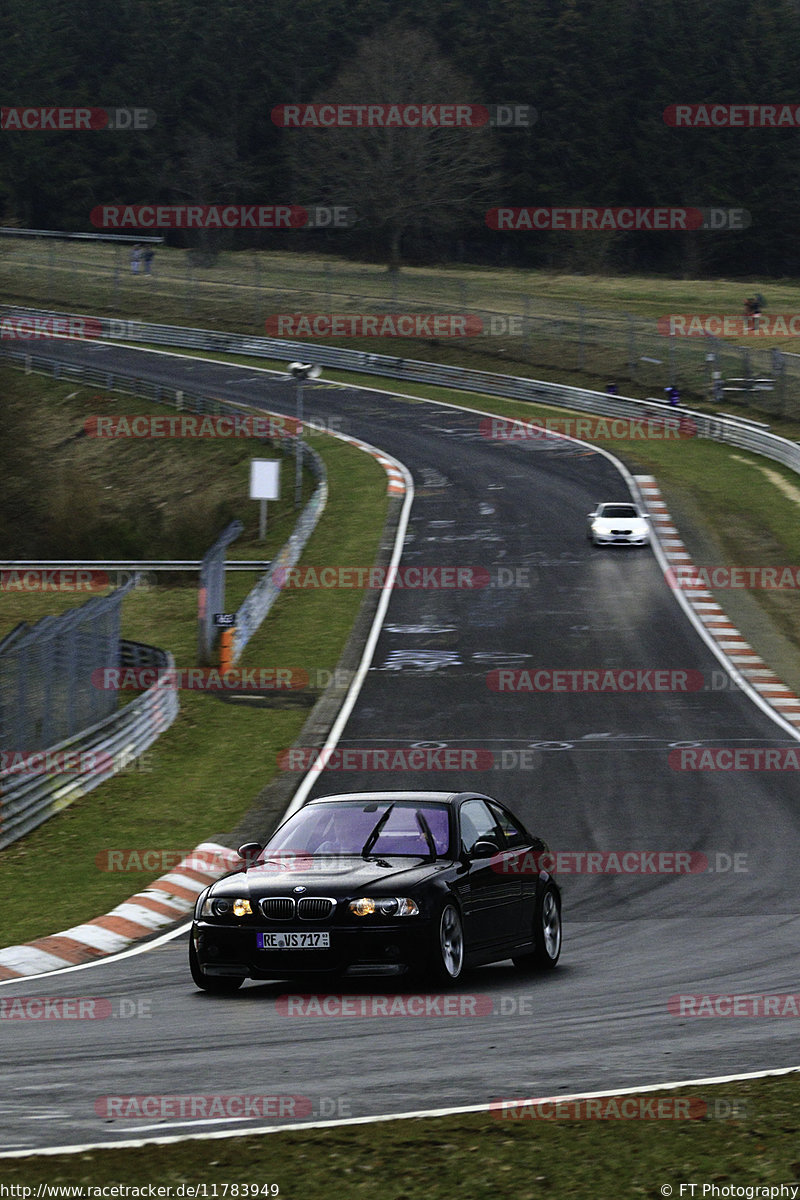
[[300, 372]]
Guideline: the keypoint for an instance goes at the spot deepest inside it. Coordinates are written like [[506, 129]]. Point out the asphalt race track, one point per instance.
[[587, 771]]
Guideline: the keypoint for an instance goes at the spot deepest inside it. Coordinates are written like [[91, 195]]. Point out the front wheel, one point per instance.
[[546, 934], [447, 957], [211, 983]]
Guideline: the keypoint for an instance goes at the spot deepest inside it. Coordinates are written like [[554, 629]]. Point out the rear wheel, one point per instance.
[[546, 934], [211, 983]]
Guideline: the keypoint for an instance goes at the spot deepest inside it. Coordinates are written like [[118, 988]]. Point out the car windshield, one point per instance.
[[335, 829], [618, 510]]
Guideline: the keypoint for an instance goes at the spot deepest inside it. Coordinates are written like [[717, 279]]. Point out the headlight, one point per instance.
[[221, 906], [384, 906]]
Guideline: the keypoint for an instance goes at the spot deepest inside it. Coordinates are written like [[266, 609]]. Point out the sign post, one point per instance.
[[265, 484]]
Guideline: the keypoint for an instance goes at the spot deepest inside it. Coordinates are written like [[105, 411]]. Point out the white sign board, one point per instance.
[[265, 479]]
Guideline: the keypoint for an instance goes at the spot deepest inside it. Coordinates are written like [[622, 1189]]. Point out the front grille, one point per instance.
[[622, 532], [315, 908], [277, 908]]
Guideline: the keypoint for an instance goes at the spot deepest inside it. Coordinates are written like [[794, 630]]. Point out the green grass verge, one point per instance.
[[97, 274], [478, 1156], [202, 774], [579, 324]]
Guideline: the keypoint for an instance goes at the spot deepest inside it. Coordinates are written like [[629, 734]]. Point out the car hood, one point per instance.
[[341, 877]]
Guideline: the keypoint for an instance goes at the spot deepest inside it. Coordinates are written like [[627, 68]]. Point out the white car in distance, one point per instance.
[[618, 523]]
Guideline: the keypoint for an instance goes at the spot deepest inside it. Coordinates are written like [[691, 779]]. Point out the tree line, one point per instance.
[[599, 73]]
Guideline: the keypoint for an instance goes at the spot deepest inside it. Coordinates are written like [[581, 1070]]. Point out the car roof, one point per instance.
[[412, 797]]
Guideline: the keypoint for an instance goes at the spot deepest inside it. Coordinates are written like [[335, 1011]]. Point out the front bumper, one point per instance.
[[384, 948], [609, 539]]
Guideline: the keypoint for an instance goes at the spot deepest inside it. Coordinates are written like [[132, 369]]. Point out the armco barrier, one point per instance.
[[731, 430], [29, 797]]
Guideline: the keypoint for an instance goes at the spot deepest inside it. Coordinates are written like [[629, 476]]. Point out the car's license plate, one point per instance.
[[294, 941]]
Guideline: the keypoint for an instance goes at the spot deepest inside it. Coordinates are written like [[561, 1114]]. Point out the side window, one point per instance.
[[514, 833], [476, 823]]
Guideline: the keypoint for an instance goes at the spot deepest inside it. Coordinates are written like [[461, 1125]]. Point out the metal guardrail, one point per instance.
[[59, 235], [719, 429], [30, 793]]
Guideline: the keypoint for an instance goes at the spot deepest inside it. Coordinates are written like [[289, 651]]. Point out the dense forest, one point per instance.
[[600, 74]]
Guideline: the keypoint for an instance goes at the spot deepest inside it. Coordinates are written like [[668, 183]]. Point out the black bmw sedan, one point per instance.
[[378, 883]]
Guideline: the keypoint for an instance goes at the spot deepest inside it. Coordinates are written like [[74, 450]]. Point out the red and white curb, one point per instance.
[[396, 479], [744, 660], [160, 904]]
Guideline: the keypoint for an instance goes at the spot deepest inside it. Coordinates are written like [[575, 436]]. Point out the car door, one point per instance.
[[520, 857], [491, 898]]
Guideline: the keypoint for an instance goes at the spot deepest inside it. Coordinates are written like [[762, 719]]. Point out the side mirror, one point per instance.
[[483, 848], [594, 514], [249, 852]]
